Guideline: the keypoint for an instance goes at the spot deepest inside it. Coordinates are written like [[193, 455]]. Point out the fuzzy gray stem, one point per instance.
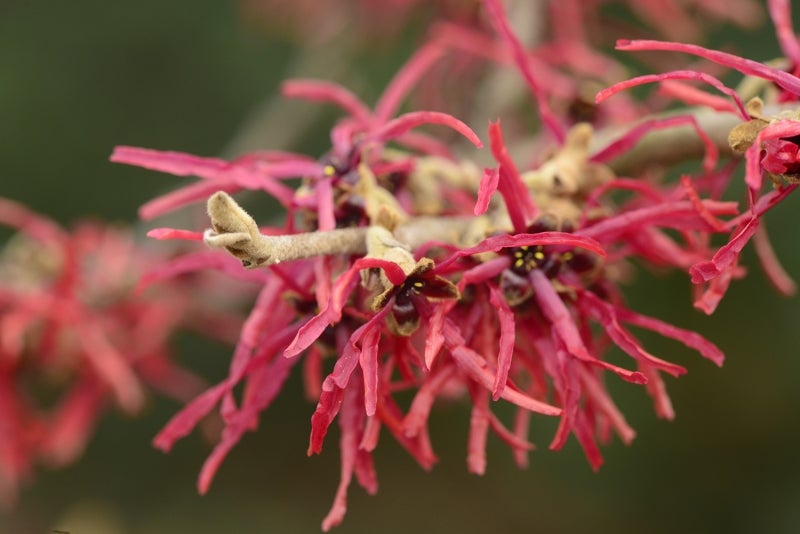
[[279, 248]]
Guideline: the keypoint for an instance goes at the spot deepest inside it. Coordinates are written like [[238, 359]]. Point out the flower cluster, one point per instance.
[[401, 268], [78, 338], [408, 272], [767, 137]]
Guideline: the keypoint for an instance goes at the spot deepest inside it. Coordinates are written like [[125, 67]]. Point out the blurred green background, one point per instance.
[[77, 78]]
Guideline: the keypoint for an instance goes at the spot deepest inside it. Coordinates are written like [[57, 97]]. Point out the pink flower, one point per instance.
[[409, 276], [546, 293], [72, 325], [769, 144]]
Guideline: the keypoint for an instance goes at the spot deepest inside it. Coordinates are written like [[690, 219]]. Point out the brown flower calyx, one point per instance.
[[560, 185], [743, 135], [380, 205], [420, 281]]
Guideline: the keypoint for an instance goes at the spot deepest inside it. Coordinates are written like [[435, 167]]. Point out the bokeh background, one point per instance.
[[79, 77]]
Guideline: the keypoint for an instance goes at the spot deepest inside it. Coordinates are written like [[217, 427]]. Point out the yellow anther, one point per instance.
[[329, 170], [418, 285], [539, 255], [567, 256], [519, 263]]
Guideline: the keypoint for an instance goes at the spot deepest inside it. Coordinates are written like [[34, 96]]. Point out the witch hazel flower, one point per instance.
[[767, 141], [562, 194], [398, 273], [372, 328], [349, 221], [76, 340], [553, 277]]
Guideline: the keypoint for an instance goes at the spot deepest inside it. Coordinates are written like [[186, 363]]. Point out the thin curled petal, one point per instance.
[[271, 381], [725, 256], [489, 182], [674, 75], [606, 314], [600, 398], [506, 348], [564, 326], [681, 215], [368, 359], [474, 366], [629, 140], [745, 66], [171, 162], [658, 392], [697, 202], [188, 418], [693, 96], [174, 200], [113, 366], [499, 242], [329, 92], [478, 432], [423, 401], [332, 310], [351, 423], [405, 78], [402, 124], [364, 338], [691, 339], [515, 194], [775, 272], [174, 233]]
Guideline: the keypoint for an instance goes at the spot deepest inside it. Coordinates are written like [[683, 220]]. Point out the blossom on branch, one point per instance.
[[396, 271], [768, 143]]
